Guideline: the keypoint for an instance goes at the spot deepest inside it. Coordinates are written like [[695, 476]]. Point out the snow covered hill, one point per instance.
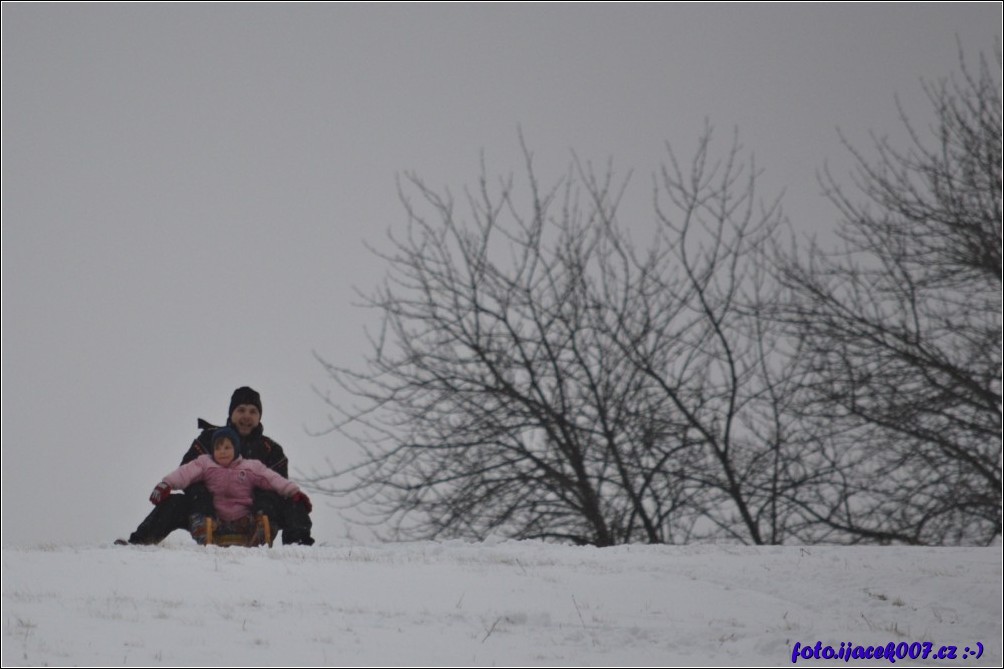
[[496, 603]]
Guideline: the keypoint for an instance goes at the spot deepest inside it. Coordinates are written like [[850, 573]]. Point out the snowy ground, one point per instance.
[[496, 603]]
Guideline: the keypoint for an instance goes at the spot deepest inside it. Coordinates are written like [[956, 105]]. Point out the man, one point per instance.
[[189, 510]]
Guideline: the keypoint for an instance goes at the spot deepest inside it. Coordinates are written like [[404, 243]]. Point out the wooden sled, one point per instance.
[[249, 531]]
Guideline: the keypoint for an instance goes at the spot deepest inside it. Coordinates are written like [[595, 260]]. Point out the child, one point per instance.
[[230, 478]]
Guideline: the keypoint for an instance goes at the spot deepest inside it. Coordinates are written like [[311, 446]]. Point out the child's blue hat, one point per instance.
[[227, 433]]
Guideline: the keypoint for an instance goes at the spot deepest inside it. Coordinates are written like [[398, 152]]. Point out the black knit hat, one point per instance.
[[244, 395]]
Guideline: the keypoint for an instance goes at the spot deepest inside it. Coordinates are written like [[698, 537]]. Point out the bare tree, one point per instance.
[[539, 376], [901, 329], [492, 403], [702, 333]]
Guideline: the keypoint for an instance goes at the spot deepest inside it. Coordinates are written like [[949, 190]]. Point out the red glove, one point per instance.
[[160, 493], [300, 497]]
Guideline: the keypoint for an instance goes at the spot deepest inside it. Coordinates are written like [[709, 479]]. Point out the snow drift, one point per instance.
[[505, 603]]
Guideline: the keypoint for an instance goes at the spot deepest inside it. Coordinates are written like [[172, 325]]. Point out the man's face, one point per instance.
[[245, 418]]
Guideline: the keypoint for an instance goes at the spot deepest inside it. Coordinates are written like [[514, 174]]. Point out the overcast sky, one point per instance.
[[188, 188]]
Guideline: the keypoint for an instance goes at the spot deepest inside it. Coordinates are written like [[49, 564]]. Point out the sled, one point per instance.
[[250, 531]]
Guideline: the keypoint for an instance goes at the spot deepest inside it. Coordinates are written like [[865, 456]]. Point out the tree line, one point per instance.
[[539, 373]]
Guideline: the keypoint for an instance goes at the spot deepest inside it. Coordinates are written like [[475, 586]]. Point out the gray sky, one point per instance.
[[187, 188]]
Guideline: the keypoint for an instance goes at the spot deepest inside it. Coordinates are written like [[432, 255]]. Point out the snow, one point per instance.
[[492, 603]]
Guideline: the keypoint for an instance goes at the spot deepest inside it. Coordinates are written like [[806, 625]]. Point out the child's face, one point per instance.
[[223, 451]]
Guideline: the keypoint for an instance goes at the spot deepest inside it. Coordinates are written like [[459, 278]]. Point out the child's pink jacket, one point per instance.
[[232, 485]]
